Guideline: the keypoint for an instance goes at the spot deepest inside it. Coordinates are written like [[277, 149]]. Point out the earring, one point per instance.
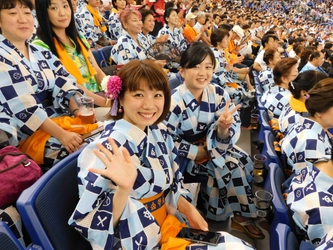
[[120, 110]]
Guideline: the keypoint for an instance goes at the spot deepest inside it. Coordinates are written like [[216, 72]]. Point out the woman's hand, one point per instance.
[[70, 140], [162, 63], [225, 120], [119, 167], [162, 38], [193, 216]]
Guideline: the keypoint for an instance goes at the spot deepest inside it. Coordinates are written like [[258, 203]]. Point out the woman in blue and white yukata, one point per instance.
[[34, 86], [129, 186], [205, 131], [311, 203], [131, 45], [275, 99], [310, 140], [114, 23], [233, 80]]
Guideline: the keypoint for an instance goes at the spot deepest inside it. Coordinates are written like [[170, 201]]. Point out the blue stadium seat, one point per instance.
[[105, 52], [280, 208], [282, 238], [100, 60], [174, 83], [46, 206], [264, 125], [8, 241]]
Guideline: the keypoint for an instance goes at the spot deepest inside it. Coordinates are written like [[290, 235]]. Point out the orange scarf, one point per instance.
[[70, 65], [97, 18], [34, 145]]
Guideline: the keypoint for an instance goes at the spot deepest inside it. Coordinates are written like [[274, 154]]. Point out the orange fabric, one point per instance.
[[232, 85], [169, 230], [230, 58], [34, 145], [156, 206], [190, 33], [97, 18]]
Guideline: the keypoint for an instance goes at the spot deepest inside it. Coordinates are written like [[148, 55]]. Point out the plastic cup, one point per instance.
[[259, 164], [254, 121], [86, 108]]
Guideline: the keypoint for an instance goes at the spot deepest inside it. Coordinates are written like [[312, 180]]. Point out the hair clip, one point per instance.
[[292, 85], [112, 86]]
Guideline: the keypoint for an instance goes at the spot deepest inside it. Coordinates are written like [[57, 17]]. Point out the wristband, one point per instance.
[[75, 111]]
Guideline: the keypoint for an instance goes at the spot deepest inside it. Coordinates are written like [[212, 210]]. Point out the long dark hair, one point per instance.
[[45, 31]]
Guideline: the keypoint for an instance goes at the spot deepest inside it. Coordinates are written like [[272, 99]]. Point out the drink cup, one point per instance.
[[254, 121], [262, 201], [259, 164], [86, 108]]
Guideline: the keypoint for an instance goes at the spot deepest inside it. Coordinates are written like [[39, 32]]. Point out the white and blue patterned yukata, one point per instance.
[[175, 38], [275, 100], [85, 25], [115, 27], [310, 200], [266, 79], [32, 90], [241, 94], [306, 141], [229, 170], [127, 49], [8, 131], [156, 159], [288, 118]]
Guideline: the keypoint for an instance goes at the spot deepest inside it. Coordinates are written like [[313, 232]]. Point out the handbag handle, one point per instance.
[[24, 161]]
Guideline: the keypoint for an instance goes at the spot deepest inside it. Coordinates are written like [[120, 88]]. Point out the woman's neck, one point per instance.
[[63, 37], [133, 35], [171, 26], [318, 120], [283, 85], [325, 167], [145, 32], [23, 48]]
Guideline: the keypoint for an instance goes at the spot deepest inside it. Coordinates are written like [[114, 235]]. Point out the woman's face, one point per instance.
[[60, 14], [199, 77], [149, 24], [292, 75], [16, 24], [74, 5], [133, 25], [224, 42], [121, 4], [173, 18], [143, 107], [94, 3], [275, 59]]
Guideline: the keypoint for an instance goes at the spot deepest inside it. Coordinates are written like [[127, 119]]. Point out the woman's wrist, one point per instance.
[[75, 111], [107, 102]]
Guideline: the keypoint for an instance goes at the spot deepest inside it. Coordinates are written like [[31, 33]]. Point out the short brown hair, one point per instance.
[[137, 72], [217, 36], [282, 69], [321, 97]]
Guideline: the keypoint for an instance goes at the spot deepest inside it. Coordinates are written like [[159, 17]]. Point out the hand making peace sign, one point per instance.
[[226, 119]]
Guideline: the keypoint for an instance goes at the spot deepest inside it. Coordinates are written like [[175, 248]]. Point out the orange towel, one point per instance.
[[232, 85], [169, 230], [34, 145]]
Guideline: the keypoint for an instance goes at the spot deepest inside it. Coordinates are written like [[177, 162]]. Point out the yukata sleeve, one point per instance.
[[218, 147], [182, 42], [122, 52], [87, 27], [185, 149], [63, 85], [114, 26], [8, 133], [93, 216]]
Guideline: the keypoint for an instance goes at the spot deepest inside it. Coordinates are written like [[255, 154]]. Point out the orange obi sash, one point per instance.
[[156, 206], [232, 85]]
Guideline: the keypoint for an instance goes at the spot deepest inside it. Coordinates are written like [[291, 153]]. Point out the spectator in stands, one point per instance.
[[234, 80], [305, 57], [63, 40], [135, 174], [114, 24], [201, 25], [268, 42], [316, 59], [299, 89], [266, 77], [130, 45], [309, 140], [190, 34], [205, 131], [40, 91], [310, 201], [278, 96], [175, 37], [92, 25]]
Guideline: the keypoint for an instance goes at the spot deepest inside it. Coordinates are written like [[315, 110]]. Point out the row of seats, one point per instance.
[[283, 230]]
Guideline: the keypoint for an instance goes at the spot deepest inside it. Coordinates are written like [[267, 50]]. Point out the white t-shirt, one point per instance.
[[260, 60]]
